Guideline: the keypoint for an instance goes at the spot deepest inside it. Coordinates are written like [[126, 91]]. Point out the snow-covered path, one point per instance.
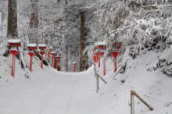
[[48, 92], [51, 92]]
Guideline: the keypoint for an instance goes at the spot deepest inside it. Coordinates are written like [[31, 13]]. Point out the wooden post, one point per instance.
[[115, 64], [98, 78], [74, 65], [99, 63], [42, 61], [12, 19], [13, 65], [52, 64], [83, 58], [30, 63], [132, 103], [104, 67], [132, 94]]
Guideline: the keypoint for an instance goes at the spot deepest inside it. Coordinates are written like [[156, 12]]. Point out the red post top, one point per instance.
[[14, 52], [31, 53], [115, 53], [99, 54], [42, 46], [31, 48], [117, 45], [42, 52], [13, 44], [103, 47]]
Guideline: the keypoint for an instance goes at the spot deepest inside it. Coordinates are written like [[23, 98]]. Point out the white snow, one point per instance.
[[100, 43], [31, 45], [51, 92], [14, 41], [42, 45]]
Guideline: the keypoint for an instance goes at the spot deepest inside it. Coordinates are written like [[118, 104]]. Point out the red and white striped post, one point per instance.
[[74, 66], [57, 62], [13, 54], [31, 54], [99, 50], [99, 54], [13, 44], [116, 47], [53, 54], [97, 59], [114, 55], [31, 48], [104, 68]]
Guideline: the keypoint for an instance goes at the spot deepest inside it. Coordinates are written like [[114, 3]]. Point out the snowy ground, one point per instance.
[[51, 92]]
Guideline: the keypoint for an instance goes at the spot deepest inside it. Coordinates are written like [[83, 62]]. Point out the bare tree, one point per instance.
[[83, 58], [34, 22], [12, 19]]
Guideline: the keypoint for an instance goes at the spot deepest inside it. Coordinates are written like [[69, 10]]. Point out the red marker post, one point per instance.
[[31, 48], [74, 66], [96, 59], [14, 44], [99, 54], [31, 54], [114, 55], [53, 54], [13, 53], [57, 63], [99, 51]]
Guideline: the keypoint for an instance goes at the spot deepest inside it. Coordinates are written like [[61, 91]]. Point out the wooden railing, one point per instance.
[[134, 94]]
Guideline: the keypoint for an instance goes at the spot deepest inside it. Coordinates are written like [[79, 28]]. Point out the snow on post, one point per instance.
[[14, 44]]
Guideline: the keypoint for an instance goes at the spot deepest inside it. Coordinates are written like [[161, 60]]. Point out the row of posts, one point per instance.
[[99, 52], [52, 56]]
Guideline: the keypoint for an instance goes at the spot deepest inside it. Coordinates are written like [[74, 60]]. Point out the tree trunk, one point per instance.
[[83, 58], [34, 22], [12, 23], [12, 19]]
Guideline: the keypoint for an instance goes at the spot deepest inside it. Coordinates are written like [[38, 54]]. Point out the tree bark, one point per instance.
[[34, 22], [83, 58], [12, 19]]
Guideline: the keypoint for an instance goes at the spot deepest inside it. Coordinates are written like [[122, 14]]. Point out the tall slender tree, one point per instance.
[[83, 58], [12, 19], [34, 22]]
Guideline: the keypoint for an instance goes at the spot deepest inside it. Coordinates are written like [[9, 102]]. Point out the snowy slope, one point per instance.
[[51, 92]]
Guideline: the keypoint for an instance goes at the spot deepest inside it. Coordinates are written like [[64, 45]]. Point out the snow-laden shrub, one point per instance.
[[164, 63]]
